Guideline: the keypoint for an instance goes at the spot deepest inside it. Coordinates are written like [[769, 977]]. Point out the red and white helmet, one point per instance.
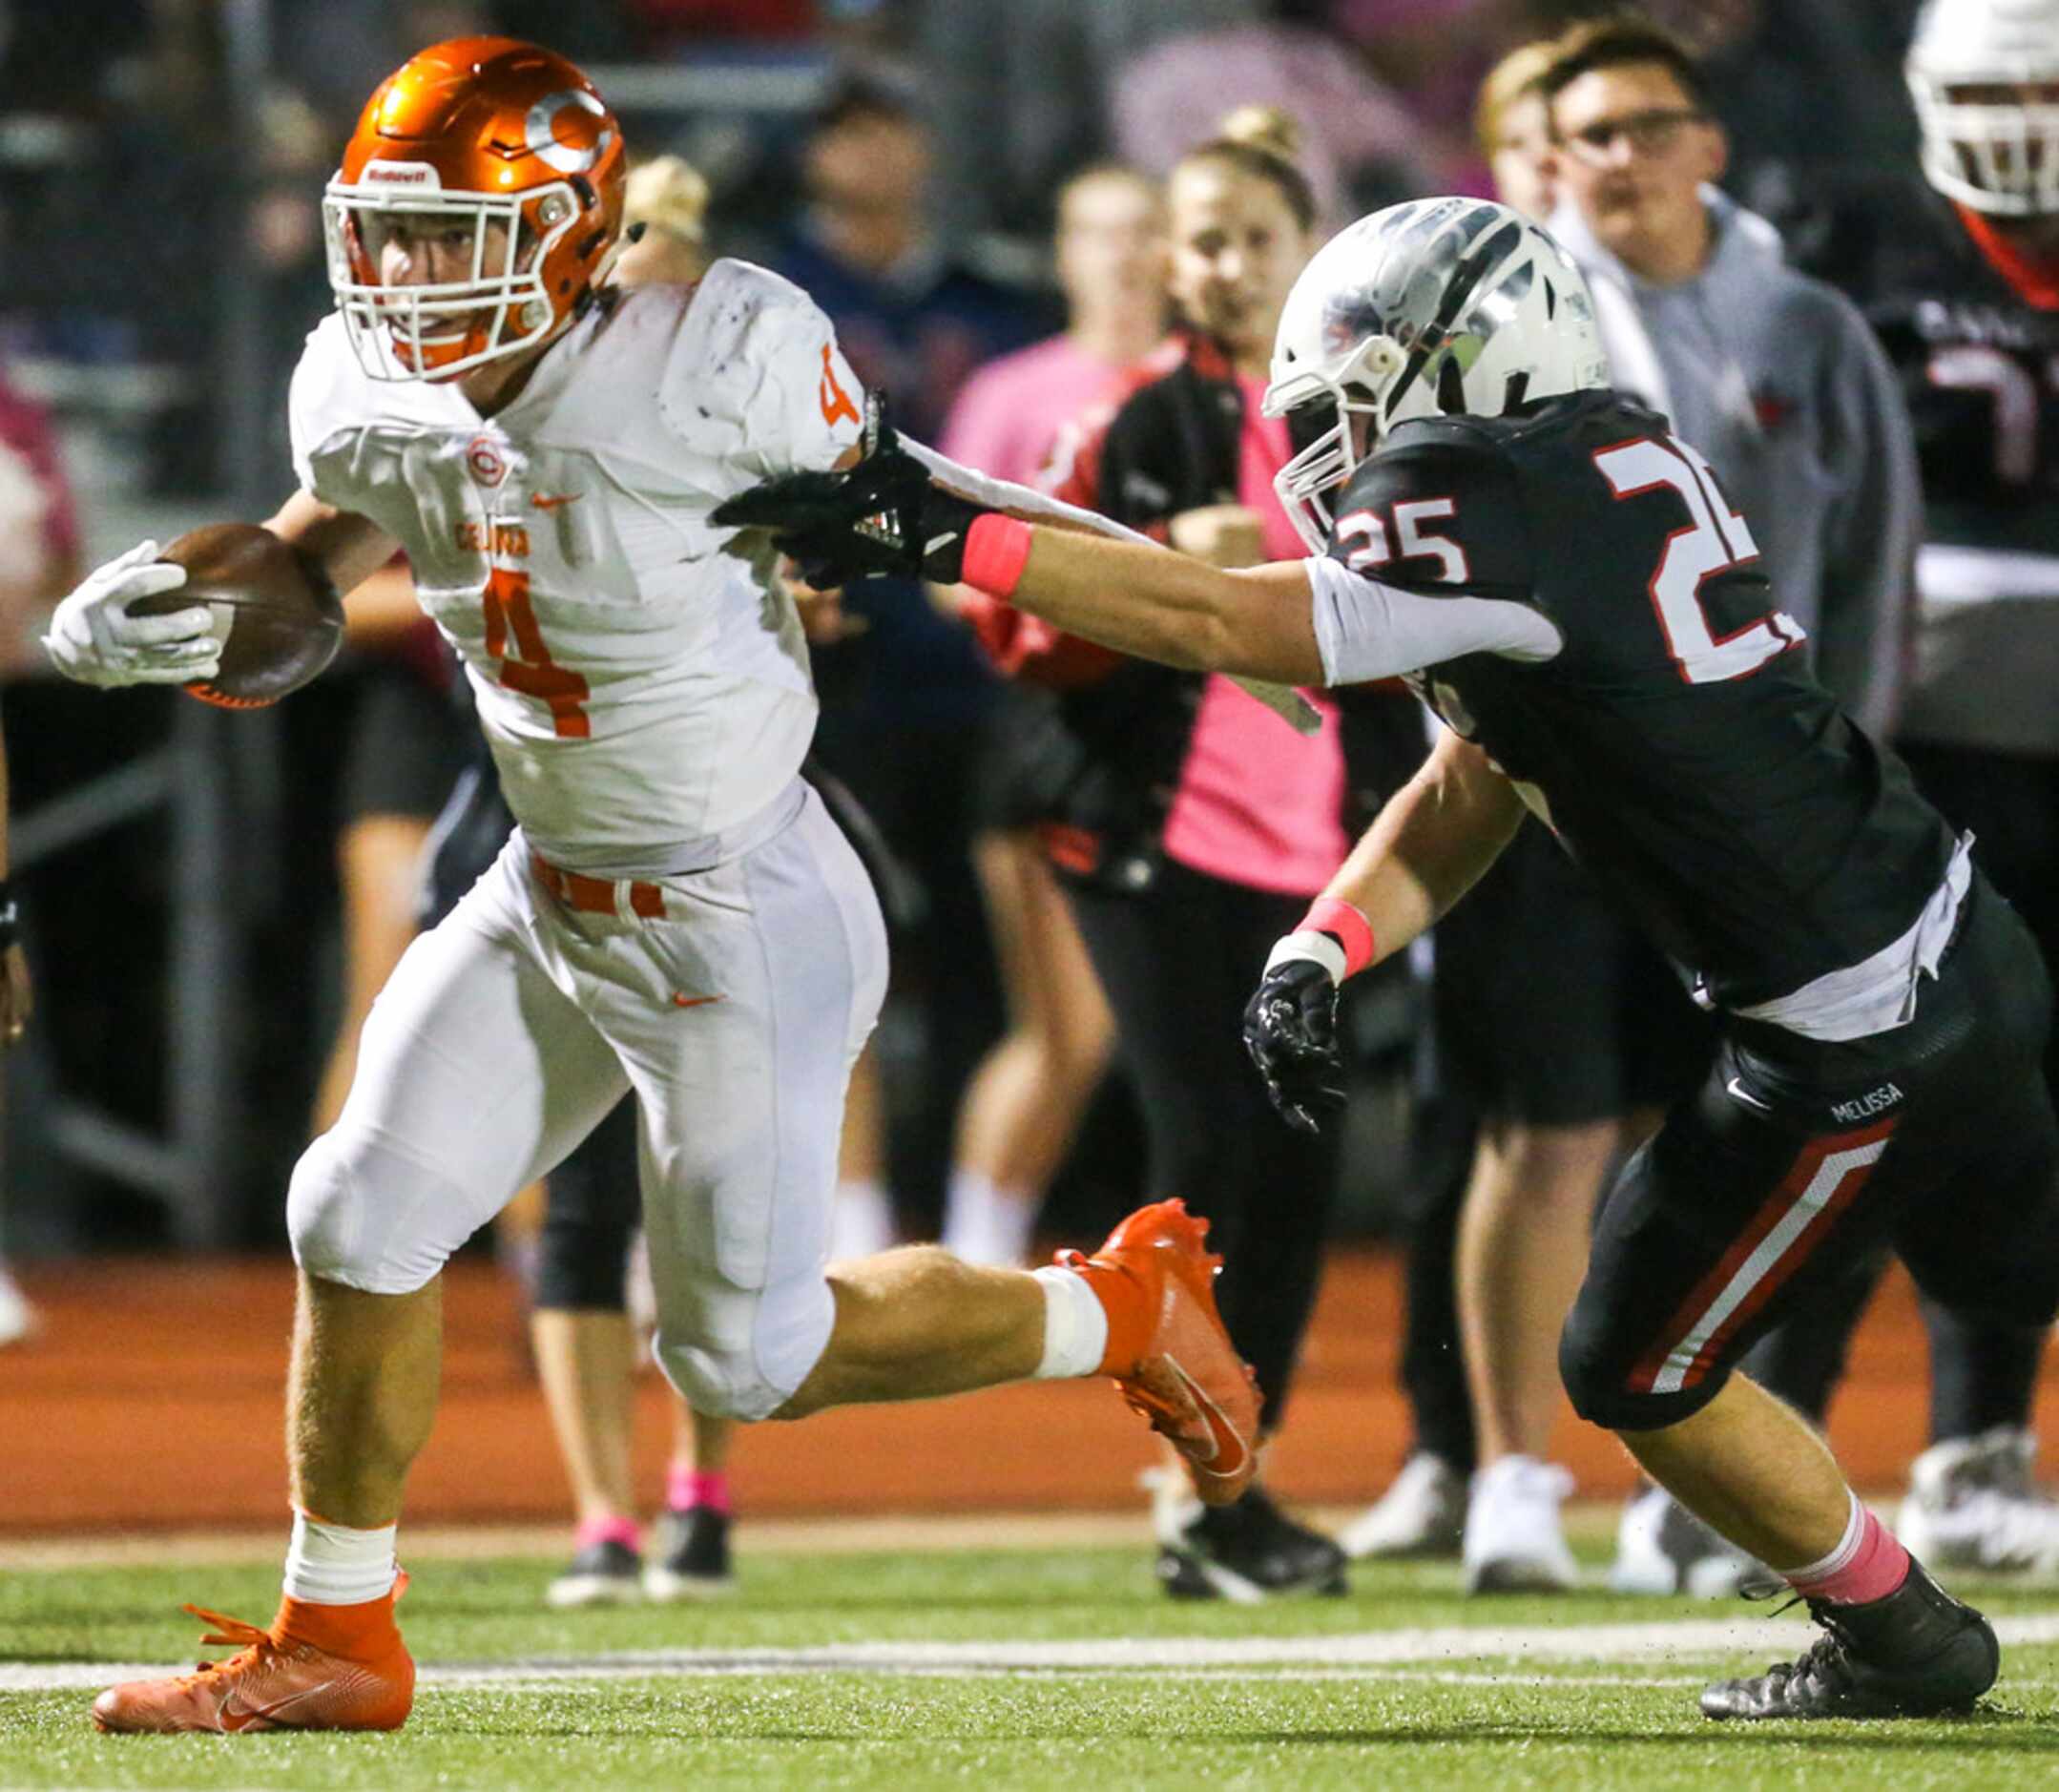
[[1985, 75], [496, 138]]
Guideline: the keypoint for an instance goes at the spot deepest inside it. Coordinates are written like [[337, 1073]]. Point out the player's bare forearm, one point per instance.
[[1431, 842], [351, 548], [383, 608], [1156, 604]]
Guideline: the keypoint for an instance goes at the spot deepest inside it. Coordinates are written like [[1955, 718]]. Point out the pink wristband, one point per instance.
[[1331, 914], [997, 548]]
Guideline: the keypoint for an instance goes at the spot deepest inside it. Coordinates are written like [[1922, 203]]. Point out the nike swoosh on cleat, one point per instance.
[[1219, 1428], [555, 500], [680, 999], [243, 1715]]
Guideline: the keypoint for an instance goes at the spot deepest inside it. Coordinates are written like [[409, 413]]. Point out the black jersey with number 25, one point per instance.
[[1676, 744]]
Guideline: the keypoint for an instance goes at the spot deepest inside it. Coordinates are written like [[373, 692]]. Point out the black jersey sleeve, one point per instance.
[[1439, 515]]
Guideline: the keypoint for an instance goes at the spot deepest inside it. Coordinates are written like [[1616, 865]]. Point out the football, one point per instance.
[[277, 626]]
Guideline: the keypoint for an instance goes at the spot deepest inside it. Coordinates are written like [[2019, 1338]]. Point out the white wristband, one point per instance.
[[1318, 948]]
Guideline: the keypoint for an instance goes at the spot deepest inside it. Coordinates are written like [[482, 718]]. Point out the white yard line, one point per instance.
[[1368, 1654]]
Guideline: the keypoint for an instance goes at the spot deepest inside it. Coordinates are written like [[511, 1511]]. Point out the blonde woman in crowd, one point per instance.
[[1193, 823]]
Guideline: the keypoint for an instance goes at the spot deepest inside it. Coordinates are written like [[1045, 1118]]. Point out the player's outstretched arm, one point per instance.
[[886, 514], [1435, 837], [1156, 604]]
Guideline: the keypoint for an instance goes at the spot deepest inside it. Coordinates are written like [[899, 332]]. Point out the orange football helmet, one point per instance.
[[493, 137]]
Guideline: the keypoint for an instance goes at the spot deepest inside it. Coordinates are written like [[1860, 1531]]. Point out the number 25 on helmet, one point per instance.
[[478, 204]]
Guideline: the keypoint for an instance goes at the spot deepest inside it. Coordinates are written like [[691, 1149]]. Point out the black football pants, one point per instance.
[[1178, 962]]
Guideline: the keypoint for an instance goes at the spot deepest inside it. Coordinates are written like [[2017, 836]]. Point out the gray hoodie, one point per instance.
[[1777, 379]]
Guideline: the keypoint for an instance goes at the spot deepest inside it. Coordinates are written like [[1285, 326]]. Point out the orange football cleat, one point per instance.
[[276, 1681], [1168, 1349]]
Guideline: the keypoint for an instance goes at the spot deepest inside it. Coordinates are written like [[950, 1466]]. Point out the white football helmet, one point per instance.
[[1985, 146], [1431, 308]]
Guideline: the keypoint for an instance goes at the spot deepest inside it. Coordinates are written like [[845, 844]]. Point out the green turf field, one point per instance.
[[1052, 1668]]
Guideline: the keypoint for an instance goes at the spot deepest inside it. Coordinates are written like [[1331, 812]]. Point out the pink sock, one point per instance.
[[1867, 1564], [688, 1487], [616, 1530]]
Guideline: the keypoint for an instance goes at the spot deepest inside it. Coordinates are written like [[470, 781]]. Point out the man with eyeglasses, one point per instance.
[[1779, 382], [1772, 374]]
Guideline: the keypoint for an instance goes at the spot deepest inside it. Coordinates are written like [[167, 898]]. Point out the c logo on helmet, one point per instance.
[[544, 142]]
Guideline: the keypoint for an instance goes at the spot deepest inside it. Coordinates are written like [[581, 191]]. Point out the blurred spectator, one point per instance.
[[1365, 146], [670, 25], [905, 694], [1192, 823], [912, 321], [1768, 373], [1025, 1101], [39, 560], [16, 1005], [339, 54], [1022, 94], [1424, 1510], [295, 152], [55, 60], [666, 203], [1806, 89], [1512, 129], [1111, 262], [1433, 55], [39, 535]]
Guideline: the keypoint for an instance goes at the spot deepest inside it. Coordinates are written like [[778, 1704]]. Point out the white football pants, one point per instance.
[[509, 1031]]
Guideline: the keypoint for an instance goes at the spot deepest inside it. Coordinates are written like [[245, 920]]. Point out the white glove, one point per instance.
[[94, 639]]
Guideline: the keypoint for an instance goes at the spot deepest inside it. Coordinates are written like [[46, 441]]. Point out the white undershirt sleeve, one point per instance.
[[1365, 630]]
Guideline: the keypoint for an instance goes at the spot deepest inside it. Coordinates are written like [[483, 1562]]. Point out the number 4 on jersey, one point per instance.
[[534, 674], [1714, 541]]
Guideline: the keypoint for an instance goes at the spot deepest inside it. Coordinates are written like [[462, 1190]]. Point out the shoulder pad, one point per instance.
[[754, 353]]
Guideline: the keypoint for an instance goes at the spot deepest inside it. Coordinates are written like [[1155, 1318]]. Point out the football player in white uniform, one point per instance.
[[675, 913]]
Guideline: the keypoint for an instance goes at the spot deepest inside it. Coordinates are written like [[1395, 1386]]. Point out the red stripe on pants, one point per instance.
[[1710, 1289]]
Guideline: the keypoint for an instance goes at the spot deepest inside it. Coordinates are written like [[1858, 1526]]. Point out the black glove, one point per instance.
[[882, 516], [1290, 1030]]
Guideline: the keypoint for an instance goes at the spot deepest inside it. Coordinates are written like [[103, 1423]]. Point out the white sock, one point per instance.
[[1842, 1557], [1075, 1328], [861, 1222], [334, 1565], [986, 1225]]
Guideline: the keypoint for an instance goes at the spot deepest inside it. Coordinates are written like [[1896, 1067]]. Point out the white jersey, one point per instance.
[[642, 688]]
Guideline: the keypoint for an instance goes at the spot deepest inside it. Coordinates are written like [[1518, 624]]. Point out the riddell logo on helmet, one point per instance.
[[402, 175]]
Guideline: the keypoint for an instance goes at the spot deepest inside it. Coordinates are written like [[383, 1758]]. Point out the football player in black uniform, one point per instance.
[[1959, 274], [1564, 582]]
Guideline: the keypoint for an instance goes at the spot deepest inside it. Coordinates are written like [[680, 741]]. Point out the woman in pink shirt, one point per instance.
[[1190, 824], [1024, 1102]]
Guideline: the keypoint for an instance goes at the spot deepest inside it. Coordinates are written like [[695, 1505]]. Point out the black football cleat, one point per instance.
[[1919, 1652], [1248, 1551], [606, 1572], [692, 1557]]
